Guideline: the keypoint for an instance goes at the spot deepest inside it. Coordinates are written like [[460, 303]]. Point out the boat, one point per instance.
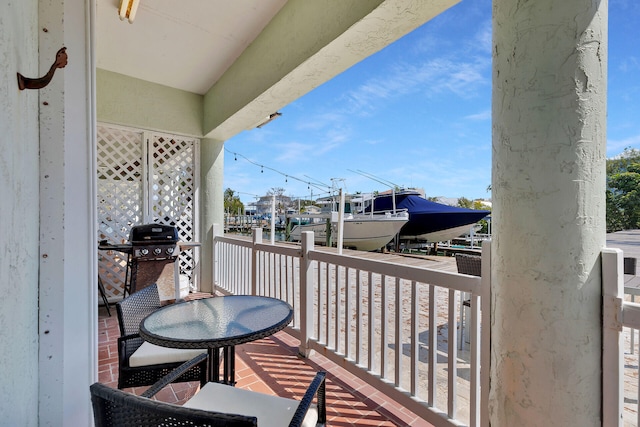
[[299, 221], [428, 221], [362, 231]]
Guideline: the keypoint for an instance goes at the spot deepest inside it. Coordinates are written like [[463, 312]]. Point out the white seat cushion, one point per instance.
[[271, 411], [151, 354]]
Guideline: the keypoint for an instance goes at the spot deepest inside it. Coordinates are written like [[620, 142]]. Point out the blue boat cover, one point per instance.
[[426, 216]]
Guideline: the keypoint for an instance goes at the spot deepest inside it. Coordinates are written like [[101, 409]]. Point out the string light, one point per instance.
[[318, 185]]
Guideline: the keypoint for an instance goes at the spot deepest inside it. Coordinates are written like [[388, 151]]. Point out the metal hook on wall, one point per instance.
[[40, 82]]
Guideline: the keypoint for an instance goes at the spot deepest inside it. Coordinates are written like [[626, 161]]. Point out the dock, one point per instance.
[[628, 241]]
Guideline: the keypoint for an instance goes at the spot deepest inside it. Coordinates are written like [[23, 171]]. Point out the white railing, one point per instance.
[[276, 272], [617, 314], [394, 326]]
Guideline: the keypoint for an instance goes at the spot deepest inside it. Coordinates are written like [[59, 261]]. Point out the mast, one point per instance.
[[383, 182]]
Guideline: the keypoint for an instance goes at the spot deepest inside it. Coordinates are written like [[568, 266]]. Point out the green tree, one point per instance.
[[282, 202], [232, 203], [305, 203], [623, 191], [463, 202], [478, 205]]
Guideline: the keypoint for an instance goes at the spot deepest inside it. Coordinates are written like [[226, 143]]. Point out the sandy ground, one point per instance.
[[628, 241]]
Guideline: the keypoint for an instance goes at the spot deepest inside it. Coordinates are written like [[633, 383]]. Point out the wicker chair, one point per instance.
[[141, 363], [630, 265], [113, 407], [471, 265]]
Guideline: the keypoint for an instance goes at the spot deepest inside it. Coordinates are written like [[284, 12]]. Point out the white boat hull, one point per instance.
[[363, 234], [441, 235]]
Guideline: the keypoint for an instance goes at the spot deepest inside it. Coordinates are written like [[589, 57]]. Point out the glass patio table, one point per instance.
[[215, 323]]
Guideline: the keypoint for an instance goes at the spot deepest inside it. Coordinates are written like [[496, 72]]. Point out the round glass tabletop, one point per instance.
[[216, 322]]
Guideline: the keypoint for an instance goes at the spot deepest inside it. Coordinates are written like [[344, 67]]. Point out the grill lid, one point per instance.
[[156, 233]]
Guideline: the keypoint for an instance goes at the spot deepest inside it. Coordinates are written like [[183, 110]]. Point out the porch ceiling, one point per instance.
[[250, 58], [184, 44]]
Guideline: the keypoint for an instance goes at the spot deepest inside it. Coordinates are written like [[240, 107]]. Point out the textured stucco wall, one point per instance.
[[132, 102], [549, 144], [18, 215], [211, 202]]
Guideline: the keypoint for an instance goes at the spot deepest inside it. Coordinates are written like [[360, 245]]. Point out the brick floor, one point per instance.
[[272, 365]]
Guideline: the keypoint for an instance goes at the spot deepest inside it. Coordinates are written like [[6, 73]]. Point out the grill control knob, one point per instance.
[[144, 251], [169, 251], [157, 251]]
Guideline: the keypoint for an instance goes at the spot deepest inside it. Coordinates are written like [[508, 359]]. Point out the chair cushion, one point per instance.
[[151, 354], [270, 410]]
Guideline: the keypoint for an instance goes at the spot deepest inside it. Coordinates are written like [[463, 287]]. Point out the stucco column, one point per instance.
[[211, 204], [549, 142]]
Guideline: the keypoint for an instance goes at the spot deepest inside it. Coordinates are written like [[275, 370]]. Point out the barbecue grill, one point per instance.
[[153, 258]]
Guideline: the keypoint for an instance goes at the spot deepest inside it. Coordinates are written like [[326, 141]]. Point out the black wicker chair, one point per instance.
[[471, 265], [630, 265], [131, 311], [113, 407]]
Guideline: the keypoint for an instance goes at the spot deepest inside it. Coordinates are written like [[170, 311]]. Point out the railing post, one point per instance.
[[257, 239], [216, 231], [306, 292], [612, 338], [485, 333], [481, 344]]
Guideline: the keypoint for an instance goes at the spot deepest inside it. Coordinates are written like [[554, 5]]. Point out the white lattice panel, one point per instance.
[[132, 192], [172, 184], [120, 204]]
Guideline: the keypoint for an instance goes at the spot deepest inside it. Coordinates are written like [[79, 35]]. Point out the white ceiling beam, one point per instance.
[[305, 45]]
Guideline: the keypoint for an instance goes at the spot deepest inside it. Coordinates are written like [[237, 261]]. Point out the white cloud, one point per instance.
[[483, 115], [320, 121], [315, 147], [462, 81], [433, 77], [292, 150], [629, 64], [483, 37], [373, 141], [615, 147]]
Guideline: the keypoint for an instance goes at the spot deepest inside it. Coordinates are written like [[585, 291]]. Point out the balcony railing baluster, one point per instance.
[[378, 319]]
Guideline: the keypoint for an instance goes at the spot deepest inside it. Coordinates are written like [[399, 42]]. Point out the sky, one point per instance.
[[415, 114]]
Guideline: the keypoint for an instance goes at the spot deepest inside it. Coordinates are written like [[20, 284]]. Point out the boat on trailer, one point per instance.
[[361, 231], [428, 221]]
